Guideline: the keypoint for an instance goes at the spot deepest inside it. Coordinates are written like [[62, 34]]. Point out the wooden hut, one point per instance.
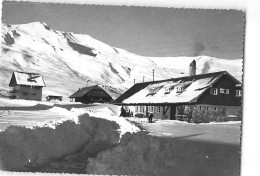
[[91, 94], [54, 98]]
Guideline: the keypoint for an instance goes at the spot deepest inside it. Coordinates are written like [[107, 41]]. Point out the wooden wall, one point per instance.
[[94, 96], [222, 99]]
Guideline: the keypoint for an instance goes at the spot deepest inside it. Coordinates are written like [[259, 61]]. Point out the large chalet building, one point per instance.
[[27, 86], [171, 98]]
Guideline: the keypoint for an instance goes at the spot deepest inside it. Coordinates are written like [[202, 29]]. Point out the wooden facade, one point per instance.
[[91, 95], [54, 98], [222, 98]]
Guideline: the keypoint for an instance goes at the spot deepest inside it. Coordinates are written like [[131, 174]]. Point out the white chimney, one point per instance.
[[192, 69]]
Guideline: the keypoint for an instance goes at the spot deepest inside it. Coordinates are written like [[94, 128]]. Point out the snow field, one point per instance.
[[8, 102]]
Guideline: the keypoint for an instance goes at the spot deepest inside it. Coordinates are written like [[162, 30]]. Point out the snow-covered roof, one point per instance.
[[29, 79], [182, 90]]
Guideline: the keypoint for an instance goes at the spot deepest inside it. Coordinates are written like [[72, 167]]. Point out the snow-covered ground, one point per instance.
[[92, 139], [224, 132]]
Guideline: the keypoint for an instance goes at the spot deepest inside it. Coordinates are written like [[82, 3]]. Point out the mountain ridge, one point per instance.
[[70, 61]]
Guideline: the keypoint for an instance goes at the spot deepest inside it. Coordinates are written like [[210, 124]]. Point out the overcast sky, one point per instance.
[[147, 31]]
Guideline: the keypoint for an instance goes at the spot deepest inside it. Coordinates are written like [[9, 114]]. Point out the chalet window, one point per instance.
[[142, 109], [168, 90], [136, 109], [158, 109], [224, 91], [214, 91], [151, 108], [238, 93], [179, 89], [152, 91]]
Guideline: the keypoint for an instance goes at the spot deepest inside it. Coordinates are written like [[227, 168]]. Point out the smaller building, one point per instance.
[[27, 86], [91, 94], [54, 98]]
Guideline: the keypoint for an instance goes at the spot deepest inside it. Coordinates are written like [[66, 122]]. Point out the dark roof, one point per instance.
[[83, 91], [139, 86], [53, 96]]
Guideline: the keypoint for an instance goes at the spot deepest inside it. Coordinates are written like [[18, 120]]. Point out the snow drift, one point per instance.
[[137, 154], [23, 148]]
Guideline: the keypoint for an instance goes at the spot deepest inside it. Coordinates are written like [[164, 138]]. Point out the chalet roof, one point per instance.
[[184, 89], [54, 96], [29, 79], [85, 90]]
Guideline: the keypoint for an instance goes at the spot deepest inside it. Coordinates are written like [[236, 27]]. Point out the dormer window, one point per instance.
[[168, 90], [154, 90], [179, 89], [238, 93], [224, 91], [214, 91]]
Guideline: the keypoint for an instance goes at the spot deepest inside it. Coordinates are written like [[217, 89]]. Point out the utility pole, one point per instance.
[[143, 78], [134, 81], [153, 74]]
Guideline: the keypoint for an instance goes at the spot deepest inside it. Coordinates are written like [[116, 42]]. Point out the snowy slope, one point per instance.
[[69, 61]]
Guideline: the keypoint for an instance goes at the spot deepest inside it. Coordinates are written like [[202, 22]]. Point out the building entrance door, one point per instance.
[[173, 113]]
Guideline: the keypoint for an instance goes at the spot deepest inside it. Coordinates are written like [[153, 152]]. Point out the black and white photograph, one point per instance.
[[121, 90]]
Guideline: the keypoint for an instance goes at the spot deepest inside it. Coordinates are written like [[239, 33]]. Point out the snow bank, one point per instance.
[[137, 154], [22, 148], [10, 102], [106, 113]]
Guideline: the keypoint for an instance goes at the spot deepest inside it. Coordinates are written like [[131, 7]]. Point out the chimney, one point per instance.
[[192, 69]]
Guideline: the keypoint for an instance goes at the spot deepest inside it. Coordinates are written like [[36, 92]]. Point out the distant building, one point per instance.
[[213, 93], [91, 94], [27, 86], [53, 98]]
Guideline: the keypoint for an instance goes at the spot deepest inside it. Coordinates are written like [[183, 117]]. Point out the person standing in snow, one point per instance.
[[123, 113], [150, 118]]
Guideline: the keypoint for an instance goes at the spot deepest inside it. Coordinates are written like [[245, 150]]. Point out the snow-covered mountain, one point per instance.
[[70, 61]]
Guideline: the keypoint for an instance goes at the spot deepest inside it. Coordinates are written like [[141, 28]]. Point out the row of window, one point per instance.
[[167, 90], [141, 109], [24, 93], [206, 108], [214, 91]]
